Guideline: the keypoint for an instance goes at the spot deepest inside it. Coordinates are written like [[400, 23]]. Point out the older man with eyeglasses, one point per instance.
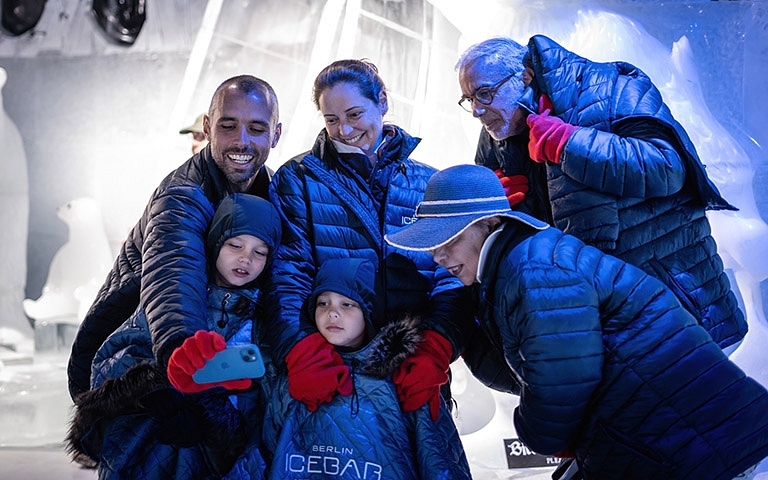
[[592, 149]]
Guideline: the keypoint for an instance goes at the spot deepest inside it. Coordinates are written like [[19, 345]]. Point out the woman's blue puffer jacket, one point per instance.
[[629, 181], [330, 211], [611, 368]]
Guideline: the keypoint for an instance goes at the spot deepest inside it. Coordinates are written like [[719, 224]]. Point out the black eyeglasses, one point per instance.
[[483, 95]]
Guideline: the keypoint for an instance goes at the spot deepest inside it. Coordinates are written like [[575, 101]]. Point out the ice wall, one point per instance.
[[96, 123]]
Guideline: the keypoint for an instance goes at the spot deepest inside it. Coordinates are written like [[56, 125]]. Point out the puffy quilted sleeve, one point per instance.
[[439, 453], [635, 160], [293, 268], [553, 340], [450, 311], [174, 276]]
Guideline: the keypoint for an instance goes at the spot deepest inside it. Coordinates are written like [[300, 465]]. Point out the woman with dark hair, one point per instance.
[[357, 184]]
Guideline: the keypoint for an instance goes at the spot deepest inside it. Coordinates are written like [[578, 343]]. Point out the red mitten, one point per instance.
[[547, 137], [419, 377], [316, 372], [548, 134], [191, 356], [515, 187]]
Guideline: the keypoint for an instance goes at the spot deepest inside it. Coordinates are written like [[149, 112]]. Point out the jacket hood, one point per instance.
[[244, 214], [115, 397], [183, 419], [352, 277]]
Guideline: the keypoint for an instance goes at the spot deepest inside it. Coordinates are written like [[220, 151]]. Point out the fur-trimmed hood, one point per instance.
[[183, 420], [388, 349], [115, 397]]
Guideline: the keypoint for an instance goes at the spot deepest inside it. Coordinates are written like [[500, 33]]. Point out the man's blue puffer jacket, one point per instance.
[[629, 181], [161, 264]]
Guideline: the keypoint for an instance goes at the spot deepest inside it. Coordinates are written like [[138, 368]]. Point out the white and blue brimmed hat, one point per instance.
[[456, 198]]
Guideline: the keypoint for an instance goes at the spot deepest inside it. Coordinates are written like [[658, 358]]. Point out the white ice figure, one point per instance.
[[483, 418], [14, 218], [741, 236], [77, 269]]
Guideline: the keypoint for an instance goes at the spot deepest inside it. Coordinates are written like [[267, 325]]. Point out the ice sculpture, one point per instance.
[[76, 272], [14, 204], [741, 236]]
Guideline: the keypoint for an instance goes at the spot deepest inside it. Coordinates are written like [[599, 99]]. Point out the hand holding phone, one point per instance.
[[233, 363]]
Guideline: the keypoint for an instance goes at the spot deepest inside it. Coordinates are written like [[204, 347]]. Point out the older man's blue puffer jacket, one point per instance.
[[629, 181]]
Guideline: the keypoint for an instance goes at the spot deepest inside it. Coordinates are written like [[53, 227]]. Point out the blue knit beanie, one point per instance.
[[244, 214]]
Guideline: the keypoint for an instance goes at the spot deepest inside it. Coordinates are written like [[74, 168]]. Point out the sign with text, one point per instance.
[[520, 456]]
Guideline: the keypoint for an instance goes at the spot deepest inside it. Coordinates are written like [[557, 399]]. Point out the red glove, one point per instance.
[[191, 356], [545, 104], [515, 187], [316, 372], [548, 134], [567, 453], [419, 377]]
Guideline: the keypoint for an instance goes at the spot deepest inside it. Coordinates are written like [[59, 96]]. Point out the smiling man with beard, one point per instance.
[[242, 126]]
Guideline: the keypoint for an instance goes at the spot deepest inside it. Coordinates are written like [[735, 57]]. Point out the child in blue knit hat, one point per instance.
[[133, 423], [361, 433]]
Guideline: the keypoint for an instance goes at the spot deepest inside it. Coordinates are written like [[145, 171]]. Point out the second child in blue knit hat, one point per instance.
[[363, 430], [134, 424]]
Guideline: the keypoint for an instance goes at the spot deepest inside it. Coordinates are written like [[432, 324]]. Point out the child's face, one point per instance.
[[241, 260], [340, 320]]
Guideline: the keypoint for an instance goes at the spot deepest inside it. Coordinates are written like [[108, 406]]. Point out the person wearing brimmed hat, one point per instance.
[[243, 127], [364, 422], [133, 422], [591, 148], [610, 368], [198, 135]]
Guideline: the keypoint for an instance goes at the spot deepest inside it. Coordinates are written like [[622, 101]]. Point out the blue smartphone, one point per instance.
[[232, 363]]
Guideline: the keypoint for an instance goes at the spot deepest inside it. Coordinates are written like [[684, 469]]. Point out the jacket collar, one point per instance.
[[481, 263], [388, 349]]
